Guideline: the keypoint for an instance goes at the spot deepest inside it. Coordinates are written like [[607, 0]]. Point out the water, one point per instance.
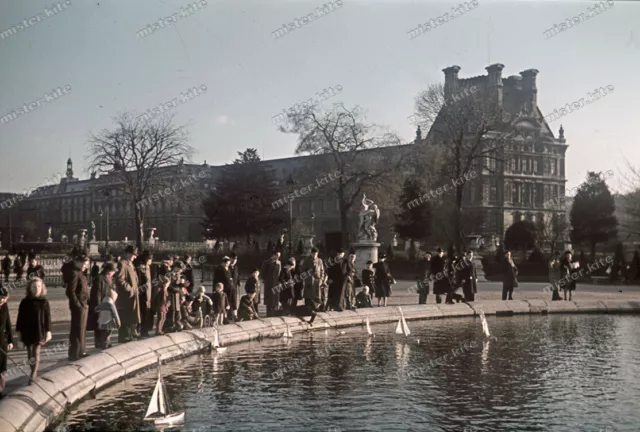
[[545, 373]]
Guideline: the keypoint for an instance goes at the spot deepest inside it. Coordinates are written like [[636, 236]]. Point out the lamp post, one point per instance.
[[290, 184], [106, 244], [313, 224], [100, 214]]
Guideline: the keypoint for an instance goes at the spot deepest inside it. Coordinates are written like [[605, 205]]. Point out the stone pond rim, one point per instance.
[[33, 408]]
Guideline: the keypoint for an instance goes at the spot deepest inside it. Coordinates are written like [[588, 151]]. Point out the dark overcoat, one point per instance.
[[441, 282], [99, 291], [383, 279], [271, 275], [34, 320], [6, 337], [510, 275], [128, 303]]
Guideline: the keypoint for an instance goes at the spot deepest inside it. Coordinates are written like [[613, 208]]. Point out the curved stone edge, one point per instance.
[[35, 407]]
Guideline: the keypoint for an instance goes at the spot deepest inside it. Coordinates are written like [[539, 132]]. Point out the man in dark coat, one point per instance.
[[128, 302], [6, 337], [35, 269], [468, 277], [18, 267], [143, 271], [222, 274], [441, 283], [78, 294], [270, 272], [423, 278], [337, 273], [6, 267], [188, 273]]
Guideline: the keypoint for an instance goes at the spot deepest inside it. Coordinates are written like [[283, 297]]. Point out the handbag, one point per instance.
[[357, 282]]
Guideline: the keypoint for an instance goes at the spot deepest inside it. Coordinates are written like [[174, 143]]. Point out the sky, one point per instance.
[[360, 51]]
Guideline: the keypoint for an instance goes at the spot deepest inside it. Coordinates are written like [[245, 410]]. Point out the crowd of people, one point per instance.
[[122, 295]]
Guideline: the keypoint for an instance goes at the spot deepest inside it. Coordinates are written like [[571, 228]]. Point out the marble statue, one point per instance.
[[93, 231], [369, 215]]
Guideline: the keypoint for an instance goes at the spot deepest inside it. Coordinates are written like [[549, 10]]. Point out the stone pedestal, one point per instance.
[[307, 243], [93, 249], [49, 240], [366, 250], [477, 262]]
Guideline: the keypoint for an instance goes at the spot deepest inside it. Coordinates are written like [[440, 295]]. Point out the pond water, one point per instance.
[[542, 373]]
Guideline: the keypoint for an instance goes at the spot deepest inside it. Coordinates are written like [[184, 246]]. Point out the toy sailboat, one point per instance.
[[159, 410], [485, 325], [216, 342], [287, 333], [368, 326], [402, 327]]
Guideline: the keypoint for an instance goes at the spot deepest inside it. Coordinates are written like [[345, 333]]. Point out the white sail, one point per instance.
[[287, 333], [162, 402], [485, 325], [405, 328], [216, 339], [399, 326], [369, 332], [154, 406]]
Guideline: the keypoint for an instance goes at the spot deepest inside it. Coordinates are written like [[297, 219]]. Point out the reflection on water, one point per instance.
[[545, 373]]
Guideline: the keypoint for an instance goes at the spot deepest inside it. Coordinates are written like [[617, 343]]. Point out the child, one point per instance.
[[253, 285], [108, 319], [201, 305], [220, 304], [161, 304], [247, 311], [368, 277], [363, 299], [188, 318], [34, 323]]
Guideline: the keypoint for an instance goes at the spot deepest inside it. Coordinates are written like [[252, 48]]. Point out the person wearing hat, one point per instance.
[[337, 273], [222, 274], [315, 295], [34, 269], [441, 282], [78, 294], [349, 282], [383, 280], [6, 337], [143, 271], [270, 271], [287, 282], [423, 278], [234, 270], [128, 302], [99, 290]]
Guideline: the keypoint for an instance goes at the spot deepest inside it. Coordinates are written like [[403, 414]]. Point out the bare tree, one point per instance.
[[351, 148], [471, 132], [135, 152]]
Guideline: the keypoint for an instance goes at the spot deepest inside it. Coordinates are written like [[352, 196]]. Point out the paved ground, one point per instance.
[[55, 352]]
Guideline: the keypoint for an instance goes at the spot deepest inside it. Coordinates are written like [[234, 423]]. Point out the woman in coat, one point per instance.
[[510, 277], [99, 290], [143, 271], [34, 323], [6, 337], [383, 280]]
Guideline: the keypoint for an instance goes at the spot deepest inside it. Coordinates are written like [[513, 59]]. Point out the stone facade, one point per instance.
[[528, 181]]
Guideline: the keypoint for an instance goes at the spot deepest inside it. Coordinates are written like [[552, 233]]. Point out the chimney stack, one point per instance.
[[450, 81], [494, 73], [530, 89]]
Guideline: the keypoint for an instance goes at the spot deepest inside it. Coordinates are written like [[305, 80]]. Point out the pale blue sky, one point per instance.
[[363, 46]]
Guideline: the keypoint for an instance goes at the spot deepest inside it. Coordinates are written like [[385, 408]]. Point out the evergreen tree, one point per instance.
[[413, 220], [592, 214], [242, 203], [249, 155], [521, 235]]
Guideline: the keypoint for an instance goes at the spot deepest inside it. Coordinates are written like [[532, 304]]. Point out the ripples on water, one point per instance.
[[549, 373]]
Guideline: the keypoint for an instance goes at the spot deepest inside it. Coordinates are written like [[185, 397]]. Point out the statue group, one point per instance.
[[369, 215]]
